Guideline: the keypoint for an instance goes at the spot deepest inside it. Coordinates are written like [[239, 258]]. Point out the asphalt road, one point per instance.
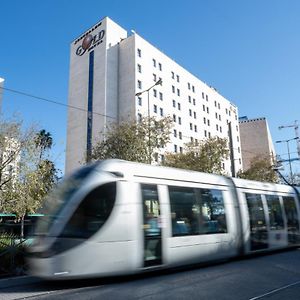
[[273, 276]]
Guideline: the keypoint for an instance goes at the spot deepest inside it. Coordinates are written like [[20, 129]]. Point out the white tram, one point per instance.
[[116, 217]]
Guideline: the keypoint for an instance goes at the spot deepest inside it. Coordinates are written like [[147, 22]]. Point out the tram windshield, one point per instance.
[[59, 197]]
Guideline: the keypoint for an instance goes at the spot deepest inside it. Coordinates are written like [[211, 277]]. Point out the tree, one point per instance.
[[133, 141], [204, 156], [260, 169], [25, 178]]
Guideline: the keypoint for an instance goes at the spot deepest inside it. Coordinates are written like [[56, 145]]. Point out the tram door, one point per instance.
[[151, 227], [257, 219], [292, 219]]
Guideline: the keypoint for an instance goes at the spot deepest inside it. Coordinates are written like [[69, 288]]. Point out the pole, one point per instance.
[[290, 164], [149, 130]]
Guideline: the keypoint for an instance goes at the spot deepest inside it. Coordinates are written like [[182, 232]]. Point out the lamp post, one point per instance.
[[289, 155], [159, 82]]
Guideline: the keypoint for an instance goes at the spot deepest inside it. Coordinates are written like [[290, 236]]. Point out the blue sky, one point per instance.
[[248, 50]]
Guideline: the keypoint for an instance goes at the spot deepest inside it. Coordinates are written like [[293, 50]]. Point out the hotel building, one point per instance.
[[109, 67]]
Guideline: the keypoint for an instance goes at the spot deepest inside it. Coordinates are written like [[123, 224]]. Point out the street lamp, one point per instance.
[[159, 82], [289, 156]]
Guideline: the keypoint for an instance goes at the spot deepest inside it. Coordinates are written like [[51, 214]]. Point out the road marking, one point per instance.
[[275, 291]]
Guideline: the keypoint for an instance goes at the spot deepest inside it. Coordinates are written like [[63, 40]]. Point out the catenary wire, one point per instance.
[[53, 102]]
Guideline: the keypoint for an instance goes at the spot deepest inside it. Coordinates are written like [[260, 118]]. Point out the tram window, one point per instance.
[[291, 213], [256, 211], [213, 211], [151, 210], [275, 212], [92, 212], [196, 211], [292, 219]]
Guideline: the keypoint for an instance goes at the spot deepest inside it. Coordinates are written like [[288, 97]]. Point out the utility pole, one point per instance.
[[296, 127]]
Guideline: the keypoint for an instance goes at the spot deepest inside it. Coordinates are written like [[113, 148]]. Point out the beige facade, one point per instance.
[[256, 140]]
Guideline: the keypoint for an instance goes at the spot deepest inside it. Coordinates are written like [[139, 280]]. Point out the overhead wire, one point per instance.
[[55, 102]]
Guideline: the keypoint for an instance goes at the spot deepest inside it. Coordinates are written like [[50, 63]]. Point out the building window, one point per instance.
[[217, 127], [215, 103], [208, 122], [194, 101], [159, 66], [206, 98], [237, 138], [173, 75], [175, 133], [179, 106], [175, 148], [204, 120], [177, 77], [191, 126], [139, 118], [189, 86], [160, 96], [173, 89], [202, 95], [139, 68], [178, 92], [180, 149], [195, 115], [179, 120], [203, 106], [155, 93], [193, 89], [207, 109], [139, 83], [192, 139], [154, 77], [205, 133], [154, 63], [155, 108], [226, 110], [174, 117], [195, 128], [190, 99], [161, 112], [190, 112], [209, 135], [140, 101], [220, 128], [216, 116], [219, 117], [219, 107], [174, 103], [139, 52], [180, 135]]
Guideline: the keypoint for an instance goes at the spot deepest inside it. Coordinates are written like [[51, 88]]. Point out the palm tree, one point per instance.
[[44, 141]]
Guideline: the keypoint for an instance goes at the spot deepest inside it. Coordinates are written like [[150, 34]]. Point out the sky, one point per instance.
[[249, 50]]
